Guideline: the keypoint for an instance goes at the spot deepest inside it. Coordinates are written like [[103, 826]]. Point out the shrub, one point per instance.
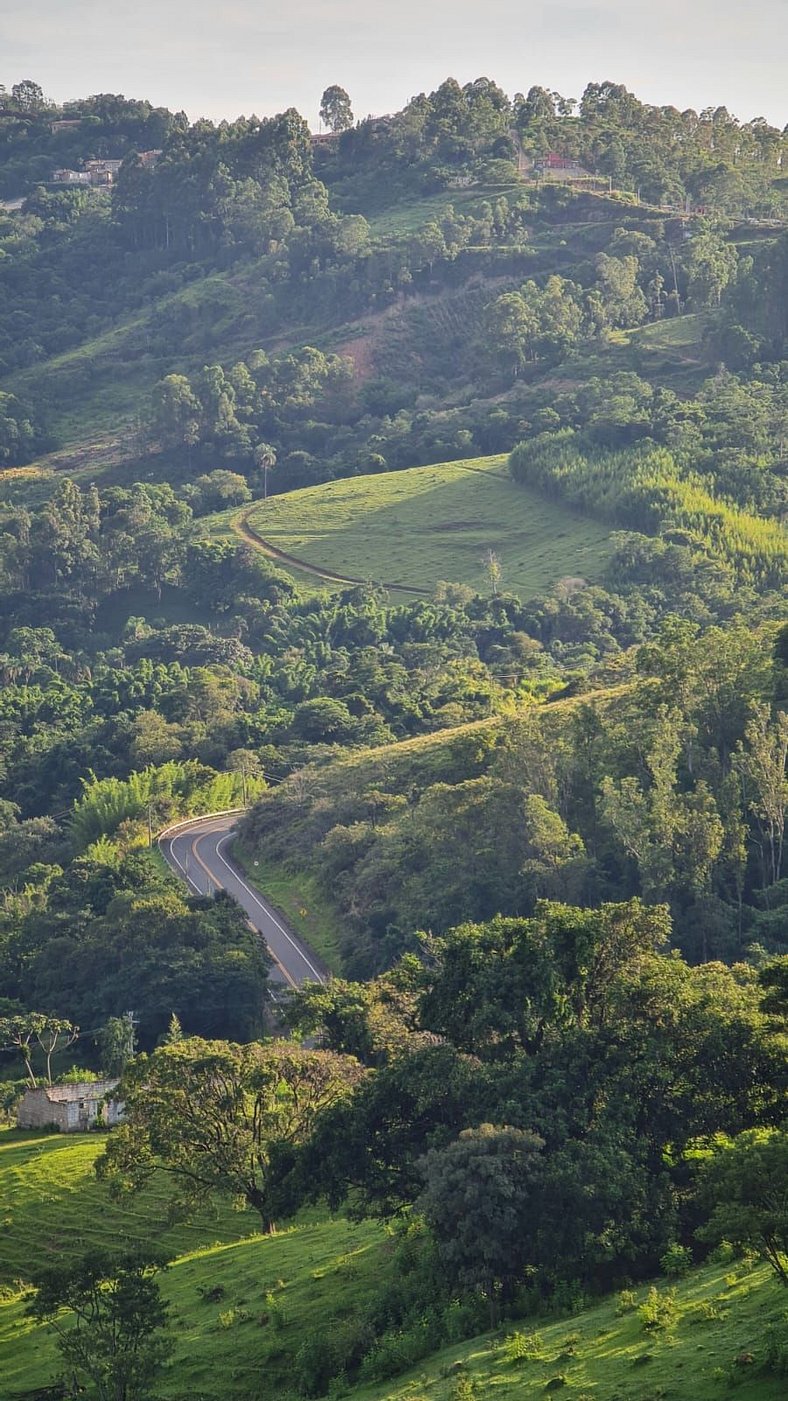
[[626, 1302], [722, 1254], [523, 1347], [396, 1352], [276, 1314], [707, 1311], [677, 1261], [776, 1341], [658, 1311], [316, 1364], [230, 1317], [464, 1389]]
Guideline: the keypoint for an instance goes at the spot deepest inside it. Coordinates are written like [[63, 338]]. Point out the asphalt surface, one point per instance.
[[201, 854]]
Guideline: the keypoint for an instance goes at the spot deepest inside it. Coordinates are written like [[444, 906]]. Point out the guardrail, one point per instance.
[[201, 817]]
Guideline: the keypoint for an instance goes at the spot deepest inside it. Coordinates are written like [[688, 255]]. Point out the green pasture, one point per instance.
[[410, 529], [242, 1305]]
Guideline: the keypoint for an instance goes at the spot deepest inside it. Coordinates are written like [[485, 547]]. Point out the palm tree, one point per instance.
[[265, 458]]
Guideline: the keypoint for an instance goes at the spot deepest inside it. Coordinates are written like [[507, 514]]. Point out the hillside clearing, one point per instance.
[[408, 530]]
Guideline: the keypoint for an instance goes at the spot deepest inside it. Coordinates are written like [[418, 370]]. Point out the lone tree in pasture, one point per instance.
[[265, 462], [493, 570], [216, 1117], [112, 1335]]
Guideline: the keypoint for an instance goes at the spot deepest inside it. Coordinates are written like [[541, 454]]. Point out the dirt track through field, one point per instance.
[[246, 532]]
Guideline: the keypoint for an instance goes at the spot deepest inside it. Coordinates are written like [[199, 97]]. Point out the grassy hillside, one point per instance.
[[719, 1337], [237, 1343], [48, 1183], [409, 529], [243, 1309]]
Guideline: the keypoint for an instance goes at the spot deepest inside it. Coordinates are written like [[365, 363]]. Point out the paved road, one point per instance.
[[201, 854]]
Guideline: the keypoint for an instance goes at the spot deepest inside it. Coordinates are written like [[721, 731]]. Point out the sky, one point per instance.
[[221, 58]]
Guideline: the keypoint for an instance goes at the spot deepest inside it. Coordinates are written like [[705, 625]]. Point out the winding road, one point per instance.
[[200, 852]]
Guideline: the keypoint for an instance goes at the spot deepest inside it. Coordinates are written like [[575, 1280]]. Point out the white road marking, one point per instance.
[[182, 868], [262, 907], [189, 829]]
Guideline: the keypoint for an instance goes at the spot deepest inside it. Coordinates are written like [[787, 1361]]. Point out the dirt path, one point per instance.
[[241, 526]]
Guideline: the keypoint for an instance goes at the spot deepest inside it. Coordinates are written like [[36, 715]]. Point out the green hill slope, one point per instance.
[[243, 1311], [409, 529], [724, 1328]]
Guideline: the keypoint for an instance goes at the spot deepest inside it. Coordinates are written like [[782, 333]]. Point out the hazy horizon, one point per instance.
[[666, 53]]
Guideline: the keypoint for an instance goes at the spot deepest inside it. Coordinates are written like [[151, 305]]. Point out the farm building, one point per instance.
[[557, 167], [70, 1108]]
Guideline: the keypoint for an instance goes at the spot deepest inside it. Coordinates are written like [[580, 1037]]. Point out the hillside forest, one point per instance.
[[526, 801]]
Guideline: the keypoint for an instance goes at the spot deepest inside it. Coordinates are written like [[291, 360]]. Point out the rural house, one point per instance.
[[70, 1108], [102, 172], [71, 177]]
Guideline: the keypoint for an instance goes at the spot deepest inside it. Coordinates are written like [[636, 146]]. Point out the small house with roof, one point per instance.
[[70, 1108]]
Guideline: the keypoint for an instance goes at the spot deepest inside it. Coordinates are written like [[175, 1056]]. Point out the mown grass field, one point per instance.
[[241, 1308], [411, 529], [47, 1187]]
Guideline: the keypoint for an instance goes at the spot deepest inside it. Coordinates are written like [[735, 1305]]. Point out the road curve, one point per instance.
[[200, 852]]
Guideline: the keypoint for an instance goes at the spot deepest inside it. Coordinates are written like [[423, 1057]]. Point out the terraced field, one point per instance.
[[408, 530]]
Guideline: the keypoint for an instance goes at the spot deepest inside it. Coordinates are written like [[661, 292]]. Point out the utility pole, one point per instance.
[[132, 1021], [675, 279]]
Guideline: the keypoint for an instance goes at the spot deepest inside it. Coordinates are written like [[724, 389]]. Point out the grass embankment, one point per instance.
[[241, 1309], [410, 529], [282, 865], [298, 898]]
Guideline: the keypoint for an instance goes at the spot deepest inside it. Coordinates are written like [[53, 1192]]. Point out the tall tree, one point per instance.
[[476, 1201], [744, 1183], [335, 109], [762, 762], [116, 1044], [213, 1115], [31, 1029], [176, 412], [265, 461]]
